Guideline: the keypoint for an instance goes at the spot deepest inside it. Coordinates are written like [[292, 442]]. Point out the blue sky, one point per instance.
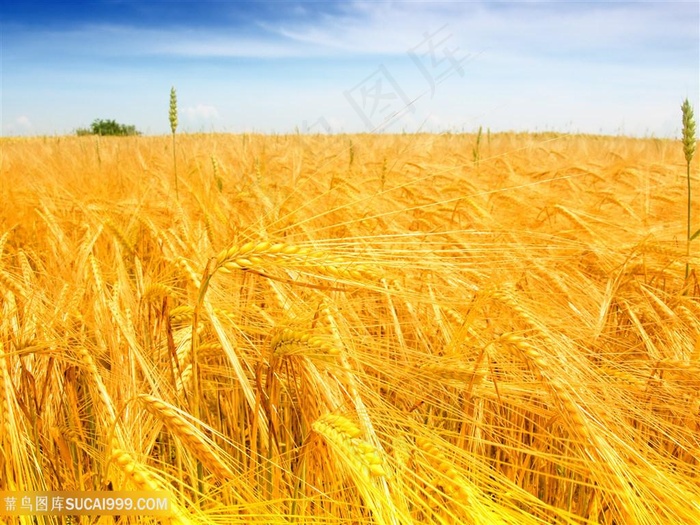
[[279, 66]]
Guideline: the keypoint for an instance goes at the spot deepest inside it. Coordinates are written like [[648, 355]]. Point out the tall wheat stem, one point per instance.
[[173, 128], [688, 151]]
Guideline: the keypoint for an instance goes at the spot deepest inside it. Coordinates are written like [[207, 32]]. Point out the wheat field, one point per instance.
[[383, 329]]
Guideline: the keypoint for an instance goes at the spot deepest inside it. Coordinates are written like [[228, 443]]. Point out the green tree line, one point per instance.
[[108, 128]]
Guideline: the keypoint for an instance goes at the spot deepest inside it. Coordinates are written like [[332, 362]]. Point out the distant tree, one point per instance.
[[108, 128]]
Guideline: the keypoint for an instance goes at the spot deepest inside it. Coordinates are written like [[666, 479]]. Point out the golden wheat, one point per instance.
[[409, 338]]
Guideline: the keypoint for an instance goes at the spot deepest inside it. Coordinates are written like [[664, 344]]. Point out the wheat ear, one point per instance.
[[144, 481], [453, 484], [287, 340], [3, 240], [191, 437], [558, 390], [8, 282], [256, 255], [344, 436]]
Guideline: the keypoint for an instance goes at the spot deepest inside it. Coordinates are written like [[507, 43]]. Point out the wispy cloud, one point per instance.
[[551, 29], [201, 112], [111, 41], [21, 125], [544, 30], [23, 121]]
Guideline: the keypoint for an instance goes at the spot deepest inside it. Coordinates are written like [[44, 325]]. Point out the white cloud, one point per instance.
[[21, 125], [201, 112], [23, 122]]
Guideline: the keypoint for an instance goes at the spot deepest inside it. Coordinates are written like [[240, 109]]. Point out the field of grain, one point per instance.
[[387, 329]]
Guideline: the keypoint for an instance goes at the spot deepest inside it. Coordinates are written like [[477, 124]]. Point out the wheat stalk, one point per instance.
[[8, 432], [688, 151], [173, 128], [88, 362]]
